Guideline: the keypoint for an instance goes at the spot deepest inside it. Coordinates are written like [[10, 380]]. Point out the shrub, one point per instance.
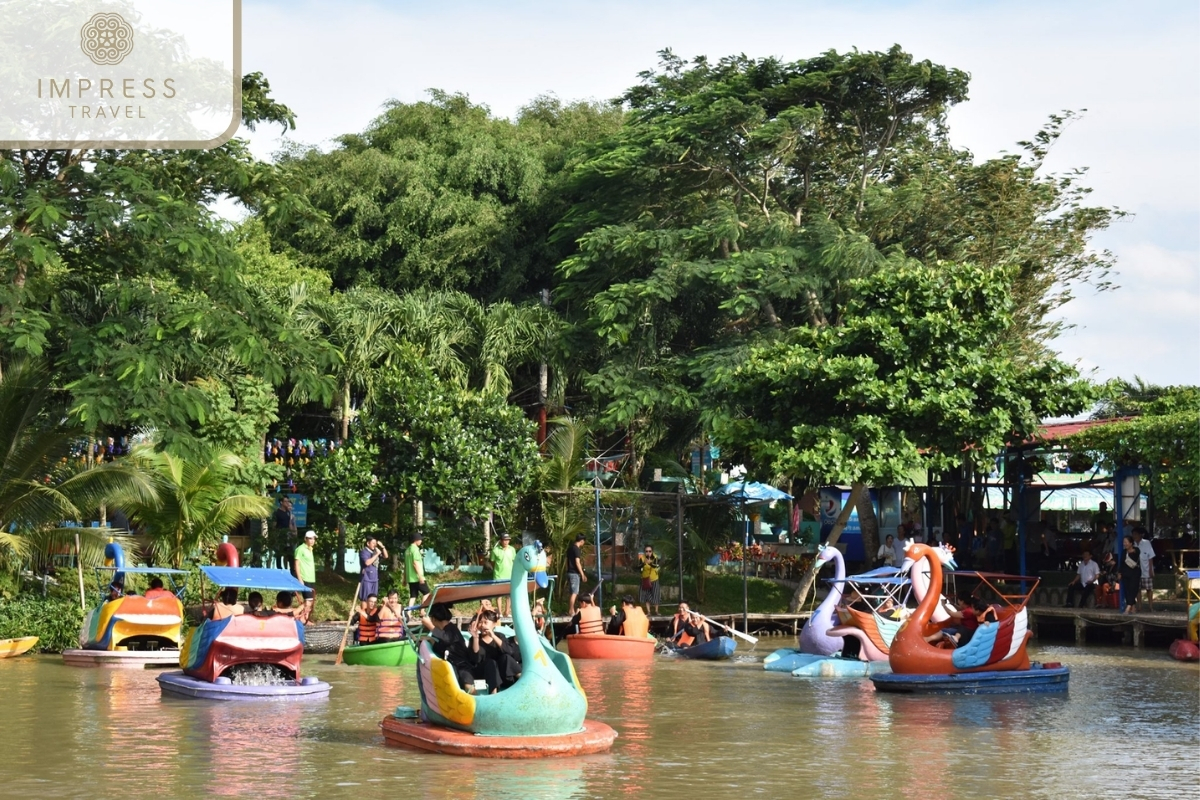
[[56, 623]]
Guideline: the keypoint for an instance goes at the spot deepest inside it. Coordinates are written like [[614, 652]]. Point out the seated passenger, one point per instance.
[[692, 629], [587, 619], [226, 605], [448, 643], [367, 619], [254, 605], [497, 658], [984, 612], [156, 590], [391, 619], [116, 590], [283, 604], [539, 616], [634, 622]]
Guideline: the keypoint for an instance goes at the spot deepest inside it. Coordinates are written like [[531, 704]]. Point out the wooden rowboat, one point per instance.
[[15, 647], [381, 654], [601, 645]]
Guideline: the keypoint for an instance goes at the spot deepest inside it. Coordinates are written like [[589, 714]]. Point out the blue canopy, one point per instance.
[[752, 492], [276, 580]]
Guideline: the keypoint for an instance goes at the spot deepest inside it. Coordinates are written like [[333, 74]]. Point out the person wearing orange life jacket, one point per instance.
[[587, 619], [391, 619], [368, 620], [628, 621], [688, 627]]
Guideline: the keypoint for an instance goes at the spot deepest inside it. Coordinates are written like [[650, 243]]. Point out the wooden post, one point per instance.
[[349, 619], [79, 565], [1139, 634], [679, 536], [1080, 631]]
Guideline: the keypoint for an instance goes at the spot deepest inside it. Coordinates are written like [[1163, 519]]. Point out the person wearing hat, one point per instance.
[[503, 555], [305, 567], [368, 562], [414, 572], [575, 570]]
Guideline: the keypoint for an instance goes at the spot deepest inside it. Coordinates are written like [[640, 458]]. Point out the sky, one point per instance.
[[1134, 67]]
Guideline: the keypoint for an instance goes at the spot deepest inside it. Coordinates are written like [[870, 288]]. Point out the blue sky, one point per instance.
[[1134, 67]]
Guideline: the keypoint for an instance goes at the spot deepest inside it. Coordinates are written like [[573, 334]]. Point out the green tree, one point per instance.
[[564, 492]]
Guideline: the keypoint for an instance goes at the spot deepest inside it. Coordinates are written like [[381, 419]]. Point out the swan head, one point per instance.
[[827, 553], [532, 559]]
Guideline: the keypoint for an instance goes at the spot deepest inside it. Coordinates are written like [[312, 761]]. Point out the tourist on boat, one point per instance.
[[306, 572], [497, 658], [887, 552], [984, 611], [367, 619], [414, 572], [587, 619], [156, 590], [448, 643], [1146, 551], [689, 628], [283, 604], [254, 605], [575, 574], [368, 562], [226, 604], [502, 557], [539, 616], [649, 565], [391, 619], [1131, 574], [1087, 576], [116, 590]]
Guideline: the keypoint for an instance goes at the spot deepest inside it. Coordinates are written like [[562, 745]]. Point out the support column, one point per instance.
[[1080, 631], [1139, 634]]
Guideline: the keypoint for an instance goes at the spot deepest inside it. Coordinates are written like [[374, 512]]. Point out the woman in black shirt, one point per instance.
[[1131, 574]]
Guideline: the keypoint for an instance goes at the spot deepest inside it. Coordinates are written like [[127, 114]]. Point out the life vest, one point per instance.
[[367, 629], [637, 624], [390, 627], [684, 639], [590, 620]]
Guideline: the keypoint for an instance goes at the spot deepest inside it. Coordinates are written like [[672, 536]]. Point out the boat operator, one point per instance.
[[688, 627]]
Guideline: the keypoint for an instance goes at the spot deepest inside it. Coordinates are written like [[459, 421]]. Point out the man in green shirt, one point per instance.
[[503, 555], [414, 572], [305, 568]]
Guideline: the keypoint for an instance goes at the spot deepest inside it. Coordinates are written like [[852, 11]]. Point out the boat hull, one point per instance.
[[601, 645], [1184, 650], [15, 647], [788, 660], [121, 659], [1037, 679], [835, 667], [177, 683], [712, 650], [383, 654], [596, 737]]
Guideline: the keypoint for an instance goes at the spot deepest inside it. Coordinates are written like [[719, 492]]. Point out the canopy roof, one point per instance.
[[450, 593], [751, 492], [146, 570], [255, 578]]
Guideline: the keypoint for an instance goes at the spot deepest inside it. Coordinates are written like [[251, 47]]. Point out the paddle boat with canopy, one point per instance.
[[993, 661], [246, 656], [129, 630], [542, 714]]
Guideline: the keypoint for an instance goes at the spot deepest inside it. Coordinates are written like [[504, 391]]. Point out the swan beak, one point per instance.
[[539, 578]]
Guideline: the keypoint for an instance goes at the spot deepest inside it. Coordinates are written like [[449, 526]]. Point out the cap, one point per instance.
[[504, 536], [310, 535], [416, 537]]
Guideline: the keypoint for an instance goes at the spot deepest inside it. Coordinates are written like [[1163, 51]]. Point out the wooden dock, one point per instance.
[[1133, 627]]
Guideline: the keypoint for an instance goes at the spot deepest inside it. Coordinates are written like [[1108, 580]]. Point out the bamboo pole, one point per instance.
[[79, 566], [349, 619]]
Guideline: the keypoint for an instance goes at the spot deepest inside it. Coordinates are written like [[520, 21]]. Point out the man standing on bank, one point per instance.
[[503, 555], [575, 570], [305, 568], [414, 572], [368, 562]]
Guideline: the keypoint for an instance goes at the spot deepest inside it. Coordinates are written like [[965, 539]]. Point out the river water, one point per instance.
[[1128, 728]]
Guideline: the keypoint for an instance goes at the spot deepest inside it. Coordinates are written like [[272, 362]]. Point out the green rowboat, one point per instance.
[[385, 654]]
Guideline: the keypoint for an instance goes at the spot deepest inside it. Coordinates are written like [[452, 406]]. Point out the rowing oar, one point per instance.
[[737, 633], [349, 619]]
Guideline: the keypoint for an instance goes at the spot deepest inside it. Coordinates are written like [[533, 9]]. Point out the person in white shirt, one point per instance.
[[887, 552], [1084, 581], [1147, 555], [898, 547]]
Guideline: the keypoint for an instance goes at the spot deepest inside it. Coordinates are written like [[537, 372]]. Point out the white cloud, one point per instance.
[[1135, 67]]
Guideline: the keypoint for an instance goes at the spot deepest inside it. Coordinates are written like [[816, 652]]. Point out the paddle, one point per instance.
[[349, 619], [739, 634]]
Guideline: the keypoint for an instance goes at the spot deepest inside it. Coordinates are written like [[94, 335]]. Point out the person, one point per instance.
[[1087, 576], [689, 627], [1130, 566], [575, 573], [305, 568], [1102, 518], [448, 643], [629, 621], [1109, 581], [391, 619], [283, 604], [587, 619], [1049, 552], [497, 658], [649, 592], [156, 590], [368, 562], [503, 556], [966, 620], [887, 552], [254, 605], [414, 571], [539, 616], [1146, 554], [898, 552], [984, 611], [367, 619], [227, 605], [285, 528], [116, 590]]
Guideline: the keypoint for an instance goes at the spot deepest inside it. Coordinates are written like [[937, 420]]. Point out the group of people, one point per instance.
[[488, 662], [1131, 573], [377, 623], [687, 626], [226, 605], [116, 590]]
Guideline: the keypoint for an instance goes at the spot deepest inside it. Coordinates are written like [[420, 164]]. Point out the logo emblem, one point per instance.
[[106, 39]]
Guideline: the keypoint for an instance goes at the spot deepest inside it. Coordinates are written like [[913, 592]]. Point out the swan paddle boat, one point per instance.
[[542, 714], [15, 647], [815, 641], [993, 661], [129, 630], [1187, 649], [246, 656]]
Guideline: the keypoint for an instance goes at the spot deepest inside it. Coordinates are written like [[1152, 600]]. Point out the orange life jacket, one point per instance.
[[685, 639], [390, 627], [590, 620], [368, 630], [637, 624]]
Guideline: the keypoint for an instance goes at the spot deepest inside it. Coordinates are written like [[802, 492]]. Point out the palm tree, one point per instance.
[[40, 488], [198, 501], [565, 513]]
